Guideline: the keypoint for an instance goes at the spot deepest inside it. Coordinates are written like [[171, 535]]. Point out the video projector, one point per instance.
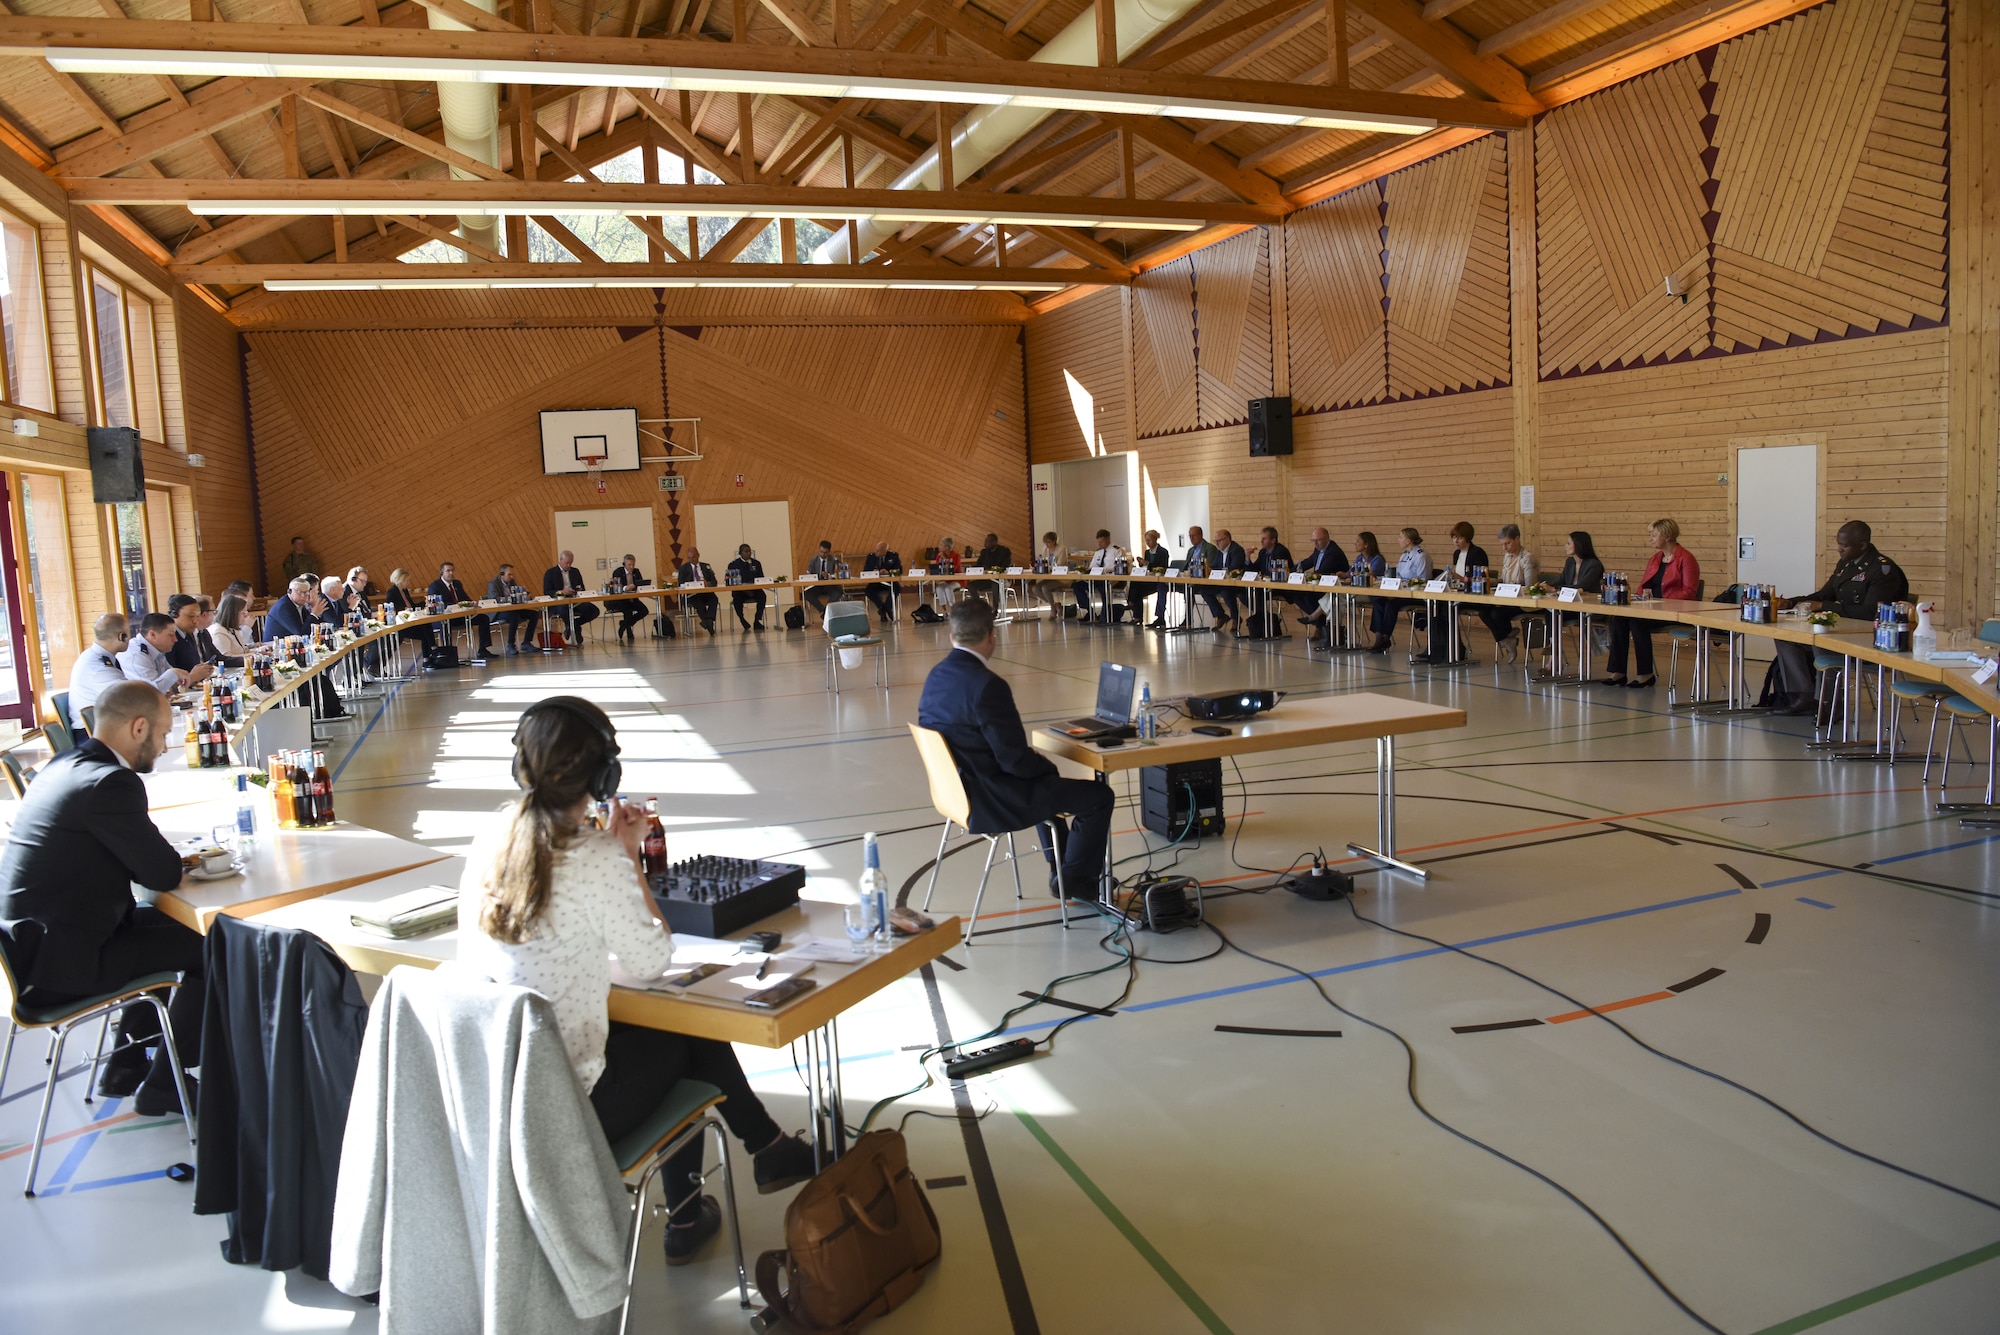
[[1234, 705]]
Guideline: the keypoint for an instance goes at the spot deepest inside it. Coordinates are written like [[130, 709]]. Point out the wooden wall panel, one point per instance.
[[454, 415], [1358, 470], [1163, 359], [1619, 178], [1617, 452], [1448, 308], [1232, 302], [1831, 203], [1243, 493], [1082, 342], [211, 379], [1333, 302]]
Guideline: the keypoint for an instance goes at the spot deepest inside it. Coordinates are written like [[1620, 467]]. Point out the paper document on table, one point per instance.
[[736, 984], [690, 949], [1987, 673], [829, 950]]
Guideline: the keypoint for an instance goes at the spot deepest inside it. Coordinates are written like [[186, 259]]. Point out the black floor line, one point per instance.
[[1006, 1260], [1706, 976], [1488, 1028], [935, 1183], [1737, 876], [951, 964], [1759, 929], [1277, 1033], [1069, 1005]]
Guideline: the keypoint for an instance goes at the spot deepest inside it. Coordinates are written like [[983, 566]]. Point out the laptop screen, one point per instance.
[[1116, 684]]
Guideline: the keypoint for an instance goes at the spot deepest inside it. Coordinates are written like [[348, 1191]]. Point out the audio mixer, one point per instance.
[[714, 896]]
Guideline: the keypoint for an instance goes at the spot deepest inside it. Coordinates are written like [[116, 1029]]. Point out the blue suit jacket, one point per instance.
[[974, 708], [286, 618]]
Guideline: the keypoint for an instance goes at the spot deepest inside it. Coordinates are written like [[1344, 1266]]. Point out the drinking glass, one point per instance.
[[859, 920]]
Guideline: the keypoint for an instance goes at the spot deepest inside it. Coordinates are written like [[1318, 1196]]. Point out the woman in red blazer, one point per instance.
[[1671, 572]]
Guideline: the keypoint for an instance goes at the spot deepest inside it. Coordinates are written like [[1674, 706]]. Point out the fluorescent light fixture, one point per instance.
[[515, 284], [665, 78], [500, 208]]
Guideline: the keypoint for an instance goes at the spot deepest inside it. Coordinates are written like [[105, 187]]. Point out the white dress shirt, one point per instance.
[[1104, 561], [96, 671], [142, 662]]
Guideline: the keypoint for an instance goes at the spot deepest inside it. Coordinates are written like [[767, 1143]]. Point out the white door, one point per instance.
[[600, 538], [766, 525], [1777, 518], [1180, 507]]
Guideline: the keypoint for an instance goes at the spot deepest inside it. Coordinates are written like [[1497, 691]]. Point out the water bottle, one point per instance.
[[1148, 725], [1924, 641], [874, 887], [246, 810]]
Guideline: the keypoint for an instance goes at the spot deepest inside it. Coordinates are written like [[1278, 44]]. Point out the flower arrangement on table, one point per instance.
[[1823, 621], [1538, 590]]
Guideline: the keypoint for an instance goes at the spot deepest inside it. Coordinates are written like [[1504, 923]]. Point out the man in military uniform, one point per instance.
[[1861, 579]]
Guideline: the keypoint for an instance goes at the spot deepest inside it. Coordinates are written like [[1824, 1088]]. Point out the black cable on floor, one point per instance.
[[1682, 1062], [1416, 1101]]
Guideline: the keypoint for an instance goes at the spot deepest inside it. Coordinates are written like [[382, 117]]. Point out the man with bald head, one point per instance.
[[81, 839], [96, 669], [564, 580], [1862, 579]]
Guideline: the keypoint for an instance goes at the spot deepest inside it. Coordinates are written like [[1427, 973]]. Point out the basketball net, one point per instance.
[[593, 467]]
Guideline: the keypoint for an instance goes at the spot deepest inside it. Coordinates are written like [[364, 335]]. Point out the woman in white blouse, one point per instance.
[[547, 901], [231, 632]]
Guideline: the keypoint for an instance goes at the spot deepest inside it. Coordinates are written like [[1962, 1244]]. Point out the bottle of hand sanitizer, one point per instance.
[[1924, 641]]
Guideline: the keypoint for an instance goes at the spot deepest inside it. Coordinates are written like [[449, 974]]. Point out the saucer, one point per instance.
[[198, 874]]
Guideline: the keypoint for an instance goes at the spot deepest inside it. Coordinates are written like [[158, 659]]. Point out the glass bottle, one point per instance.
[[322, 791], [654, 849]]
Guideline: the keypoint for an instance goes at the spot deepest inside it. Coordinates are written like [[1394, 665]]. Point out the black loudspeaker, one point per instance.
[[1270, 427], [117, 474]]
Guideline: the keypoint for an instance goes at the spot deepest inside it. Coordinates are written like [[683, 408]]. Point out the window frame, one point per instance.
[[9, 391], [137, 405]]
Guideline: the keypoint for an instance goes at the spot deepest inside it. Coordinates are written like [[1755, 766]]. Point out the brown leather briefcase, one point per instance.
[[861, 1235]]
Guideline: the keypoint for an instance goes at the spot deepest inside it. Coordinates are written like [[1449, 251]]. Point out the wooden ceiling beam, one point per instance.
[[1541, 21], [1450, 50], [408, 138], [1661, 43], [41, 36], [1221, 32], [440, 195], [986, 33], [1207, 159], [436, 233], [204, 115], [374, 271]]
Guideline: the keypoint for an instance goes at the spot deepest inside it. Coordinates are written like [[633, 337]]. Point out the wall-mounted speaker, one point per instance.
[[1270, 427], [117, 473]]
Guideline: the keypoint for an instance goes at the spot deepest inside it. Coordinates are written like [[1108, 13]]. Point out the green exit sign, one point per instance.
[[579, 523]]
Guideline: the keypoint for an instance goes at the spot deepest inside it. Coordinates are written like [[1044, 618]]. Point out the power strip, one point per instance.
[[985, 1059]]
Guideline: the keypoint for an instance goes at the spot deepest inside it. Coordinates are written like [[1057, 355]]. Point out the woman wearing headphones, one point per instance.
[[547, 901]]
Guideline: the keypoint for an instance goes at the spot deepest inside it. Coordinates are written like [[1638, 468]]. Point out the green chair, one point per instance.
[[847, 628], [1917, 692], [1958, 708], [63, 1018], [16, 777], [89, 716], [58, 735], [60, 703], [687, 1113]]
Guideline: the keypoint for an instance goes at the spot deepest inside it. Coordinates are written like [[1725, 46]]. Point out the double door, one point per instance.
[[599, 539]]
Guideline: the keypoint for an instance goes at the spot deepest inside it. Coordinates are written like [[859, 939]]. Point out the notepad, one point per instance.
[[413, 913]]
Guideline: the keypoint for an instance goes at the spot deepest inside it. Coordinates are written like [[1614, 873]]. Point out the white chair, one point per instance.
[[847, 628], [948, 797]]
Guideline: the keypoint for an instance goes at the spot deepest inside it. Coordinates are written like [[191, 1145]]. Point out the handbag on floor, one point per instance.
[[442, 657], [859, 1238], [795, 617]]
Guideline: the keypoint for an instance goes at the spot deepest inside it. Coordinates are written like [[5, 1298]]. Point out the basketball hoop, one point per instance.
[[593, 467]]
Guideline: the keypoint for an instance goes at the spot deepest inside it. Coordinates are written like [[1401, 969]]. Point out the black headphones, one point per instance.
[[604, 784]]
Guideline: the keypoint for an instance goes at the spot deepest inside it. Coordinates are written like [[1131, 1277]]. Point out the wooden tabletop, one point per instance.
[[838, 987], [1295, 722], [282, 866]]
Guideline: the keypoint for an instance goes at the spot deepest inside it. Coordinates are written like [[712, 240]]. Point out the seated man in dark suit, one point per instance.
[[745, 571], [883, 561], [694, 570], [294, 614], [1010, 784], [448, 587], [564, 580], [1324, 559], [79, 841]]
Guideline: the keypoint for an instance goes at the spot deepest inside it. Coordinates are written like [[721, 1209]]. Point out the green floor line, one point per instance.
[[1202, 1311], [1819, 1316], [143, 1126], [1856, 834]]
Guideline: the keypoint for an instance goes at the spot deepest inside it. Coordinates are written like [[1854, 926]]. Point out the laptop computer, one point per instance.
[[1116, 684]]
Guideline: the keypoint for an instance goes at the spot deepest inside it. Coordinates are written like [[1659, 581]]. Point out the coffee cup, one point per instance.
[[215, 860]]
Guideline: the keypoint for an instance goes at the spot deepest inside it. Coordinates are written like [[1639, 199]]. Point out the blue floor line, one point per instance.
[[117, 1181], [1881, 862], [78, 1150], [380, 709], [1816, 903]]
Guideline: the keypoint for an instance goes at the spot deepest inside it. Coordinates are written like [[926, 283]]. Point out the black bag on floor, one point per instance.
[[663, 627], [442, 657], [795, 617], [925, 616]]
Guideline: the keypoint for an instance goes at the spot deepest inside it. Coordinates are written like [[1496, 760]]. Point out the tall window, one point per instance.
[[22, 323], [160, 545], [127, 359], [45, 523], [131, 543]]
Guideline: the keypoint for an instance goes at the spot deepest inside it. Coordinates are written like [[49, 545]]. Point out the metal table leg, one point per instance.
[[1385, 814], [829, 1115]]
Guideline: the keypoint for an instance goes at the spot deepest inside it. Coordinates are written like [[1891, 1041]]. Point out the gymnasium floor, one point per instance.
[[1161, 1170]]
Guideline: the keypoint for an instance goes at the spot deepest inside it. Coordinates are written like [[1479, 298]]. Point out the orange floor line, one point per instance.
[[65, 1135], [1610, 1006]]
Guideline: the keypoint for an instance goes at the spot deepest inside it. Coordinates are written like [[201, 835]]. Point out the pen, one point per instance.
[[764, 968]]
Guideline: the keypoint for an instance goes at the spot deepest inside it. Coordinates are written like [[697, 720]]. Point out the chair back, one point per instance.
[[59, 737], [947, 789], [846, 618], [60, 703], [1989, 632], [16, 777], [89, 713]]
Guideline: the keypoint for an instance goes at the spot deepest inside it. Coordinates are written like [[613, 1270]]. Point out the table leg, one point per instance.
[[1385, 814], [829, 1117]]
